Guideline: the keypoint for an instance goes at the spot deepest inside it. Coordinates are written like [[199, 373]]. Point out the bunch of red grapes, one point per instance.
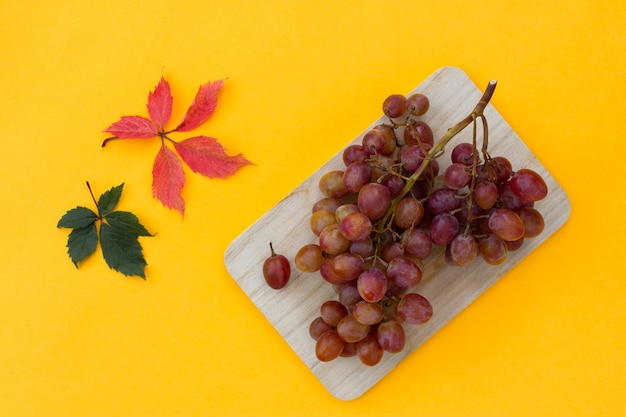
[[383, 214]]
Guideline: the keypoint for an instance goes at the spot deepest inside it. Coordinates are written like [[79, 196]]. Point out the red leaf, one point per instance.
[[133, 127], [168, 179], [160, 103], [206, 156], [202, 107]]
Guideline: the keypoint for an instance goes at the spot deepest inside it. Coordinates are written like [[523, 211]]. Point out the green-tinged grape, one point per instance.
[[414, 308], [332, 241], [347, 266], [331, 184], [369, 351], [391, 337], [332, 312], [329, 204], [368, 313], [276, 270], [350, 330], [320, 219], [345, 209], [309, 258], [329, 346]]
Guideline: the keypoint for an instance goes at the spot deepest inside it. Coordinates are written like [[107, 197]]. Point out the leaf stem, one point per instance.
[[94, 200], [107, 140]]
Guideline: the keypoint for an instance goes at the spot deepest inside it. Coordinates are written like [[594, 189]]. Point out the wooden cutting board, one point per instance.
[[450, 289]]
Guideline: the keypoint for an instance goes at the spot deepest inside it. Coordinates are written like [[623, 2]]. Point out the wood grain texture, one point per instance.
[[450, 289]]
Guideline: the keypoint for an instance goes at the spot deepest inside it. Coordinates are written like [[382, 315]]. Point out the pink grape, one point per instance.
[[369, 351], [443, 228], [528, 185], [408, 212], [463, 250], [356, 226], [418, 132], [506, 224], [486, 194], [414, 309], [456, 176], [395, 106], [373, 200], [372, 285], [391, 336], [356, 175], [417, 242], [403, 272], [417, 104], [462, 154]]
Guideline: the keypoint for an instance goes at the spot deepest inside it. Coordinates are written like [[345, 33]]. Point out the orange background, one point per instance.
[[304, 78]]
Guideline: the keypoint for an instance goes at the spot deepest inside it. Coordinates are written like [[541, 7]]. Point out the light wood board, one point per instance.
[[450, 289]]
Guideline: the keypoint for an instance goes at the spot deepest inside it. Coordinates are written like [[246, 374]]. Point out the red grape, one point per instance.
[[276, 270]]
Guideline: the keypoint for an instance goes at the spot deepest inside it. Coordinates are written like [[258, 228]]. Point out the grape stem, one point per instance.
[[438, 147]]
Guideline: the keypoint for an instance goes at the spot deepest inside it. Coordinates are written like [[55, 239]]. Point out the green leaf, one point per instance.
[[82, 242], [77, 218], [121, 250], [109, 199], [128, 222]]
